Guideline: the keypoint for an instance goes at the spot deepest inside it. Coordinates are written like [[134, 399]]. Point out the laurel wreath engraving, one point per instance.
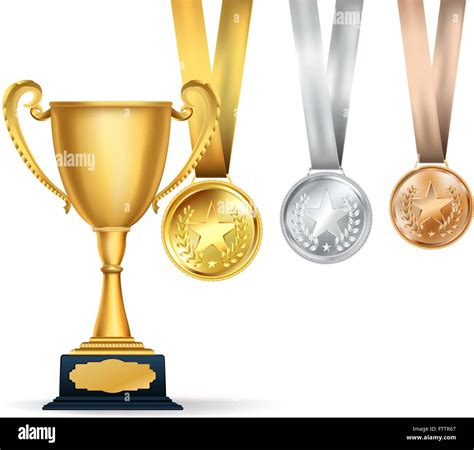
[[302, 233], [188, 251], [348, 235], [237, 249], [449, 224], [304, 237], [411, 222]]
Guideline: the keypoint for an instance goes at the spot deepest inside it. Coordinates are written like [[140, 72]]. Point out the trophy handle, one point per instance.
[[212, 112], [11, 100]]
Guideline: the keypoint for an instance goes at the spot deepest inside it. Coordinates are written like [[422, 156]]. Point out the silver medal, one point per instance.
[[326, 217]]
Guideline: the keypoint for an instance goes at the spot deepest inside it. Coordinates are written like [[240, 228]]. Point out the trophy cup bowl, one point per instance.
[[111, 157]]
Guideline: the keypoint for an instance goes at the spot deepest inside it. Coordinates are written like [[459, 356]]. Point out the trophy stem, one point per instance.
[[111, 320], [111, 331]]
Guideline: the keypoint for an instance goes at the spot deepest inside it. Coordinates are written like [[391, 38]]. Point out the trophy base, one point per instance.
[[112, 382], [85, 403]]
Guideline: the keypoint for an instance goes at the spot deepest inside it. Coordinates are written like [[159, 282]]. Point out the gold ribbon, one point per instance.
[[226, 76], [431, 87]]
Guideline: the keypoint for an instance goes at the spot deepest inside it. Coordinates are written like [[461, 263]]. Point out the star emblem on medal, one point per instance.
[[326, 218], [212, 232], [431, 208]]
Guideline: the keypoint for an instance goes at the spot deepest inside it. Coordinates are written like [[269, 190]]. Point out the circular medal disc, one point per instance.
[[431, 207], [326, 217], [212, 230]]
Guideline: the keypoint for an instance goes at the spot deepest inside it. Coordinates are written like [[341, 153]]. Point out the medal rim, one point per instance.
[[364, 235], [213, 184], [408, 175]]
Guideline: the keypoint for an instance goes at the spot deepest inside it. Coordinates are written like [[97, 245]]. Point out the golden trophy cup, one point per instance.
[[111, 157]]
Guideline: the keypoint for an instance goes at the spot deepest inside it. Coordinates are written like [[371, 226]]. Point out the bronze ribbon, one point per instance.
[[226, 76], [431, 87]]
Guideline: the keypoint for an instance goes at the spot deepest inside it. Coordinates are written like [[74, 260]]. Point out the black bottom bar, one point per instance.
[[226, 433]]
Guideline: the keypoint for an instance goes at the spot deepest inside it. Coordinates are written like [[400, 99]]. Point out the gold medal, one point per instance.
[[211, 230], [431, 206]]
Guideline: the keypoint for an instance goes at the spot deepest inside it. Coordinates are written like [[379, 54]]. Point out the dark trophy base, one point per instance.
[[112, 382]]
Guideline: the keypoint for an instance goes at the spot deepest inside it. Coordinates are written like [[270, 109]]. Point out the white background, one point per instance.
[[386, 333]]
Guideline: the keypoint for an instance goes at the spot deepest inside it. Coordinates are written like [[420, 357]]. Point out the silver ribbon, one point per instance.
[[326, 95]]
